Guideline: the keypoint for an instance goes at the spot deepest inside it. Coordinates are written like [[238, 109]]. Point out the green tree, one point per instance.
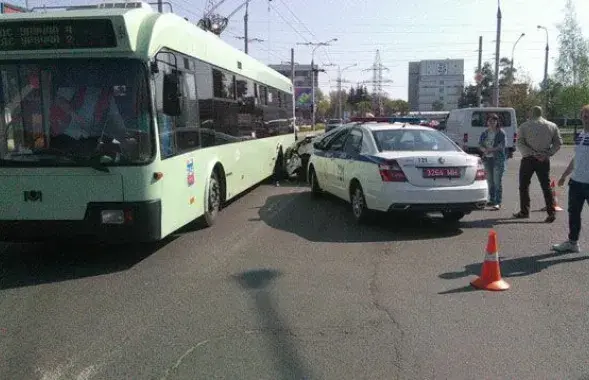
[[401, 106], [363, 107], [469, 95], [506, 72], [319, 95], [334, 99], [572, 65], [570, 99], [521, 97], [352, 96], [437, 105], [323, 108], [552, 90], [394, 106]]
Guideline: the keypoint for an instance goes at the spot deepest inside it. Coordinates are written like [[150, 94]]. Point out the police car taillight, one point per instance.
[[481, 172], [390, 171]]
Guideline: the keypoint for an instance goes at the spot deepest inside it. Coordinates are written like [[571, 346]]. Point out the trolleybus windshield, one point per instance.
[[63, 111]]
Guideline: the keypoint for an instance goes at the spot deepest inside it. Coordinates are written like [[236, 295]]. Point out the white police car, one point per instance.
[[397, 167]]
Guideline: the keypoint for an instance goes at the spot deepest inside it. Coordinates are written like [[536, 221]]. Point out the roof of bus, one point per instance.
[[149, 31]]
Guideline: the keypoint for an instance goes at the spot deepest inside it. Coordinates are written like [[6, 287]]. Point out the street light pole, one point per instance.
[[497, 53], [547, 50], [316, 46], [512, 53], [339, 89]]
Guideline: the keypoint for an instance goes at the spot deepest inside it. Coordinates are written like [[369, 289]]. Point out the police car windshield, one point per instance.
[[74, 106], [407, 139]]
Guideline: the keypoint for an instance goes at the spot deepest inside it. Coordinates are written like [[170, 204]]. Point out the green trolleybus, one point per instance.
[[122, 123]]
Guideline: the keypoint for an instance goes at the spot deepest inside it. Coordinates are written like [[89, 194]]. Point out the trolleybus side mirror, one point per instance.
[[172, 97]]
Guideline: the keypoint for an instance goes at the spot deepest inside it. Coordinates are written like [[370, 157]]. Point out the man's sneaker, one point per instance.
[[550, 219], [566, 247], [496, 207]]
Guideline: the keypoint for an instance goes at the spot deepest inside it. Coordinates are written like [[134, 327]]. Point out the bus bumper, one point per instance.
[[104, 222]]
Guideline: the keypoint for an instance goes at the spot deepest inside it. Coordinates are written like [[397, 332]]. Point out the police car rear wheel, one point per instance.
[[359, 209]]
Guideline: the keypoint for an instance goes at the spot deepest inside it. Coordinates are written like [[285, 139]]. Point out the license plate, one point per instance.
[[441, 173]]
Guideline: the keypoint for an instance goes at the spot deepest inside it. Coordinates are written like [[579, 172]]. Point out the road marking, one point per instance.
[[181, 358]]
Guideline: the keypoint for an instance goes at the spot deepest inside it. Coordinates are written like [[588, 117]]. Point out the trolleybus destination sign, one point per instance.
[[56, 34]]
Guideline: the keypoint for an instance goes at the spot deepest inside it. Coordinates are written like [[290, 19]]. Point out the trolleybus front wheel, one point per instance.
[[213, 201]]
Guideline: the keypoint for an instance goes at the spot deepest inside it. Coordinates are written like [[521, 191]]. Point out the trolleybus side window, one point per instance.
[[263, 93], [178, 134], [223, 84], [229, 108], [225, 107], [166, 123], [247, 118], [187, 128]]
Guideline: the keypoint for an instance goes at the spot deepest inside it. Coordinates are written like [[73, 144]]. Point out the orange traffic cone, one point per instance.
[[556, 206], [490, 278]]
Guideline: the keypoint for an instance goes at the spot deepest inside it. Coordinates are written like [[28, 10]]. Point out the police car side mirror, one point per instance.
[[317, 145], [172, 97]]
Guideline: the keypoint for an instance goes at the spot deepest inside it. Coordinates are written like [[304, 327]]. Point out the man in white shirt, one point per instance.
[[578, 186]]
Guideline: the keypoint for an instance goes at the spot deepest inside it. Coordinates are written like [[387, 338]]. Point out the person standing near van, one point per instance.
[[492, 144], [578, 186], [539, 139]]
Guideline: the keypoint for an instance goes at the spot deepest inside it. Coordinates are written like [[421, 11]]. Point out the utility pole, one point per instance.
[[292, 79], [339, 92], [497, 55], [545, 81], [480, 85], [245, 19], [377, 81], [313, 107], [340, 80], [316, 46]]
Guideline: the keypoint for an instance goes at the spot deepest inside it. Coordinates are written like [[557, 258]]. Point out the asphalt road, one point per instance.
[[288, 287]]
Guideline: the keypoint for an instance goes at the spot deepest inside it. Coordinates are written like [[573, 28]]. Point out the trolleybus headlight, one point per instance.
[[113, 217]]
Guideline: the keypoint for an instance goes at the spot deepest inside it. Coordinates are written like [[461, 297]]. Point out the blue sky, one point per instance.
[[402, 31]]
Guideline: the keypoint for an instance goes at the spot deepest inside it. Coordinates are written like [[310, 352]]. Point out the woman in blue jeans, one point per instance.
[[492, 145]]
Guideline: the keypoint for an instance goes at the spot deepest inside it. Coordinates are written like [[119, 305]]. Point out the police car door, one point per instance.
[[347, 163], [334, 152]]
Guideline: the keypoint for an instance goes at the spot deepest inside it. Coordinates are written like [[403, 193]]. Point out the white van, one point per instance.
[[465, 125]]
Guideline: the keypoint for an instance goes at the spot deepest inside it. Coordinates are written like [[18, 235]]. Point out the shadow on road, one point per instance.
[[24, 265], [513, 267], [328, 219], [492, 222], [287, 360]]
